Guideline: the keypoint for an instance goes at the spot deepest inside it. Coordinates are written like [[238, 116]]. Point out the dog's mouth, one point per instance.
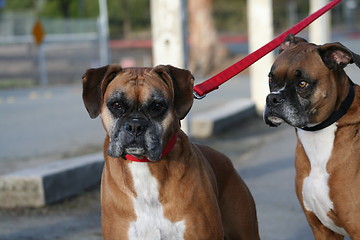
[[272, 119], [275, 121], [135, 151]]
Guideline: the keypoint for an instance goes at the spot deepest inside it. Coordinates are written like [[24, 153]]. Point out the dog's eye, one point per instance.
[[303, 84], [157, 107], [118, 107], [270, 75]]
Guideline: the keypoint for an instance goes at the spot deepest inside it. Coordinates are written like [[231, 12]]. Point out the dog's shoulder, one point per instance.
[[213, 156], [219, 162]]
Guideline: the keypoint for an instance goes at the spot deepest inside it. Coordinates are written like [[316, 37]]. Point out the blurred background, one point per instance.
[[40, 82], [72, 35]]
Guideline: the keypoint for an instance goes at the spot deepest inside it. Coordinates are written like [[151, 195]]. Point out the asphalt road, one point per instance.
[[43, 124]]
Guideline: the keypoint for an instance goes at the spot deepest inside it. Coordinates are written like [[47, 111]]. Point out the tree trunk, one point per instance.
[[205, 50], [65, 8]]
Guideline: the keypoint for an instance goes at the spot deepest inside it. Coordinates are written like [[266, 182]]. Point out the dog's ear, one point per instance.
[[289, 41], [95, 81], [183, 83], [337, 56]]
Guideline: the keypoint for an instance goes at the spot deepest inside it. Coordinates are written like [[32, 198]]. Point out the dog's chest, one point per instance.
[[318, 146], [150, 220]]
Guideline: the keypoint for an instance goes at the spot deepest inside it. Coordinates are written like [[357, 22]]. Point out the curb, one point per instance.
[[52, 182], [206, 124]]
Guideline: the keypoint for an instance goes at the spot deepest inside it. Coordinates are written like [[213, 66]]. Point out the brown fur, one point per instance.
[[325, 64], [196, 183]]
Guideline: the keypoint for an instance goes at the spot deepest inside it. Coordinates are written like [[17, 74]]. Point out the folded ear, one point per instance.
[[95, 81], [183, 83], [289, 41], [337, 56]]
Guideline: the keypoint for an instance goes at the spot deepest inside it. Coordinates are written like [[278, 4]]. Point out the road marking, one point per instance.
[[48, 94], [10, 100], [33, 95]]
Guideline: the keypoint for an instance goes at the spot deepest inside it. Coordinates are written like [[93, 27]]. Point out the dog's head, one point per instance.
[[305, 82], [140, 108]]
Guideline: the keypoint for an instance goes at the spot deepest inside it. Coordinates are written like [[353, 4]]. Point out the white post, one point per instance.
[[103, 33], [260, 32], [42, 65], [168, 18], [319, 30], [167, 32]]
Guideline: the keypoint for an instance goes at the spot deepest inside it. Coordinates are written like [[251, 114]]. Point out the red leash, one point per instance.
[[214, 82]]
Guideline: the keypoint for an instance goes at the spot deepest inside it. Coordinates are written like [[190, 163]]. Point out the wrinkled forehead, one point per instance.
[[139, 84], [300, 56]]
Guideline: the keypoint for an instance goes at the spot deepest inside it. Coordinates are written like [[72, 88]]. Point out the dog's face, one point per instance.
[[140, 107], [303, 82]]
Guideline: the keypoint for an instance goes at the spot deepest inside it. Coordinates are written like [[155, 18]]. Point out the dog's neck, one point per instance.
[[335, 116]]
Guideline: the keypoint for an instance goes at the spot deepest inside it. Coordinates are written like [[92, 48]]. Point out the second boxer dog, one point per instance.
[[311, 91], [156, 184]]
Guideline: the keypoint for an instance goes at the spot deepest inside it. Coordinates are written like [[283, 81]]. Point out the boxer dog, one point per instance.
[[156, 184], [310, 90]]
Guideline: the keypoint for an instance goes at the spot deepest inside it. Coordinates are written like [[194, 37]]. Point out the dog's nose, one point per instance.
[[274, 99], [135, 126]]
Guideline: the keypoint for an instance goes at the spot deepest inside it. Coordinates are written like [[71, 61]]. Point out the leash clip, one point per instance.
[[197, 96]]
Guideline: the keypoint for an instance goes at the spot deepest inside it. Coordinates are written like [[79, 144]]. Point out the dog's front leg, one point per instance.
[[319, 230]]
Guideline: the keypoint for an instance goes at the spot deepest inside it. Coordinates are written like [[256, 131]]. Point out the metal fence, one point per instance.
[[70, 47]]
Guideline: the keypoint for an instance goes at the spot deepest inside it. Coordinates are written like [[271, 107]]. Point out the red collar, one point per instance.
[[170, 145]]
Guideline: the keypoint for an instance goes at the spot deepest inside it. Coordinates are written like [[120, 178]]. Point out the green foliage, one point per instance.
[[129, 16], [70, 9], [18, 5], [230, 16], [281, 13], [135, 13]]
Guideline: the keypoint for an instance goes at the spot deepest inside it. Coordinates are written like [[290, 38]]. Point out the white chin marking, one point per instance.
[[135, 151], [276, 120], [318, 146]]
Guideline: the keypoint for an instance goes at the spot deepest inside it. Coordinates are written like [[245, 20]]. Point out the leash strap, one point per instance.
[[344, 107], [214, 82]]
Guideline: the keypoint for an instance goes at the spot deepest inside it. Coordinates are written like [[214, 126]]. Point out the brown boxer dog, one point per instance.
[[311, 91], [156, 184]]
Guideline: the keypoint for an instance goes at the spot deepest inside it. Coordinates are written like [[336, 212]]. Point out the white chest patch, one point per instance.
[[150, 222], [318, 146]]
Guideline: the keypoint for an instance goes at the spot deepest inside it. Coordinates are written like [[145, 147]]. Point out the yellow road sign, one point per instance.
[[38, 32]]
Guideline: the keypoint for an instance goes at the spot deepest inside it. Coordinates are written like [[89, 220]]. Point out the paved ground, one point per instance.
[[262, 155]]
